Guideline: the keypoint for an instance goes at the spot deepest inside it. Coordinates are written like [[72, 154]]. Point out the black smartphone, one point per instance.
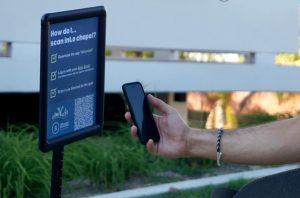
[[141, 113]]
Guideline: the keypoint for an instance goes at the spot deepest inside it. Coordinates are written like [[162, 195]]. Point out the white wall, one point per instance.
[[264, 27], [182, 77], [252, 25], [21, 73]]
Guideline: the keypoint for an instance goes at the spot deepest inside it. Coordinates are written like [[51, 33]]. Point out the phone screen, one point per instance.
[[141, 112], [136, 97]]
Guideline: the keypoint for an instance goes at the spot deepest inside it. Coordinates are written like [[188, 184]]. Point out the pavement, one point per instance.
[[196, 183]]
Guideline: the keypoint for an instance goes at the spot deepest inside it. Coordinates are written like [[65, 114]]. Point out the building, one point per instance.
[[170, 46]]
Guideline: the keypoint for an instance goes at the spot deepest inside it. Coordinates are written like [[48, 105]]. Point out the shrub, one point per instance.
[[23, 168], [255, 119], [104, 161]]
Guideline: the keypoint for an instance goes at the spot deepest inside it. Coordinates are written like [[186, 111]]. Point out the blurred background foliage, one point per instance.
[[103, 163]]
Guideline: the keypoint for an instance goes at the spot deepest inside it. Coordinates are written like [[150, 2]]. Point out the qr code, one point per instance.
[[84, 112]]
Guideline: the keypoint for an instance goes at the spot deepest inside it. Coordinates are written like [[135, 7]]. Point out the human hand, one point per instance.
[[172, 129]]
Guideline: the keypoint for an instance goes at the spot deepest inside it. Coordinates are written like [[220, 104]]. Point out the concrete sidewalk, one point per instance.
[[196, 183]]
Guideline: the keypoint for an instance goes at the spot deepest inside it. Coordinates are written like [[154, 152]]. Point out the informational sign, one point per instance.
[[72, 76]]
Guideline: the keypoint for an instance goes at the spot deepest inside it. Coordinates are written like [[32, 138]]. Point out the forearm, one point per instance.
[[272, 143]]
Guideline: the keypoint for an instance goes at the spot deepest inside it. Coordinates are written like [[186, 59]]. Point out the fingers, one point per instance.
[[128, 117], [160, 105], [152, 147], [133, 128], [133, 131]]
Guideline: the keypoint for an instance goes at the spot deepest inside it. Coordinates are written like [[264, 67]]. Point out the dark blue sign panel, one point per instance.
[[72, 75]]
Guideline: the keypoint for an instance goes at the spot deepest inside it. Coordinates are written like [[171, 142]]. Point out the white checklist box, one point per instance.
[[52, 93], [53, 75], [53, 58]]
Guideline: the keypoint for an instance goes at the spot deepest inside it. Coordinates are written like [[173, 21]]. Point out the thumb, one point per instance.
[[160, 105]]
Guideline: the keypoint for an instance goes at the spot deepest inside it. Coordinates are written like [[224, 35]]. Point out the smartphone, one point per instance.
[[141, 113]]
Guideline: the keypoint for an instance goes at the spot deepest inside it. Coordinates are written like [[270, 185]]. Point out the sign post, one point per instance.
[[71, 81], [57, 170]]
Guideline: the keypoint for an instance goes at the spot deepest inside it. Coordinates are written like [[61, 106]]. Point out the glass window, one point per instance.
[[5, 49]]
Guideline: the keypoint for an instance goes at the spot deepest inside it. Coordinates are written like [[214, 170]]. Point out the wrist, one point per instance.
[[201, 143]]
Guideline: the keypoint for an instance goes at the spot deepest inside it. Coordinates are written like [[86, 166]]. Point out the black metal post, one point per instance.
[[57, 169]]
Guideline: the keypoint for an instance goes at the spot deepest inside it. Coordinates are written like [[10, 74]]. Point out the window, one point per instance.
[[288, 59], [218, 57], [5, 49], [180, 55]]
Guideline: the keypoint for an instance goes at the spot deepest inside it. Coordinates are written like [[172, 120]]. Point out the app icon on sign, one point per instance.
[[55, 127]]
